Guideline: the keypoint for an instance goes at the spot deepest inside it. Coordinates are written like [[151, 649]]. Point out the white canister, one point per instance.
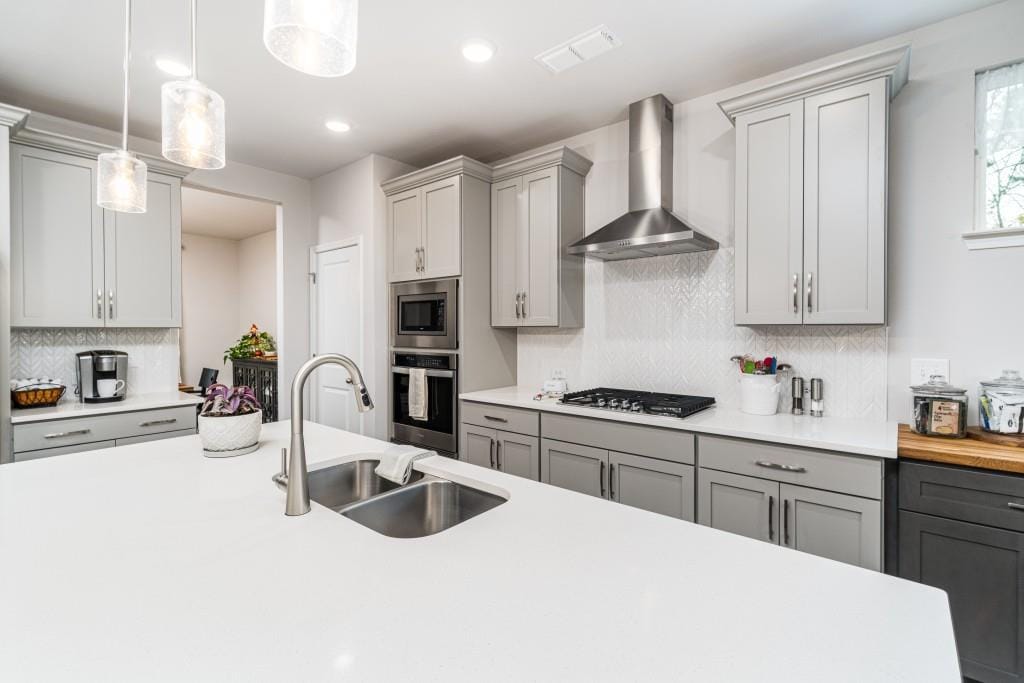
[[759, 394], [229, 435]]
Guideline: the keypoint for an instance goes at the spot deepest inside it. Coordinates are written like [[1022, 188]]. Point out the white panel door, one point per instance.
[[844, 201], [56, 240], [143, 260], [405, 233], [540, 214], [505, 200], [769, 215], [442, 221], [339, 329]]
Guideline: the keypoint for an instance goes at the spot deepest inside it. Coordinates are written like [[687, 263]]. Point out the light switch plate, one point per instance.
[[922, 369]]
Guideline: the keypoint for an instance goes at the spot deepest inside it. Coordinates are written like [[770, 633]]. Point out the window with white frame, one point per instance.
[[999, 148]]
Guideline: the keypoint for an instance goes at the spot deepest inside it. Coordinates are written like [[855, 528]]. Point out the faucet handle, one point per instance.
[[284, 461]]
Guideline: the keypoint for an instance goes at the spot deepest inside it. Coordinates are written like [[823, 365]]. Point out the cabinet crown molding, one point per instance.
[[34, 136], [460, 165], [11, 116], [559, 156], [893, 63]]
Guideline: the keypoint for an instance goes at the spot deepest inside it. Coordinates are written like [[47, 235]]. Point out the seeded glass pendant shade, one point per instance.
[[120, 176], [316, 37], [192, 118]]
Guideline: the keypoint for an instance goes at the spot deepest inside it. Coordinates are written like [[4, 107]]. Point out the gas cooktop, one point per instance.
[[643, 402]]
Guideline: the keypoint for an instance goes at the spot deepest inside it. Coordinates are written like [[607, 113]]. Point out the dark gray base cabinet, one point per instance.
[[949, 538]]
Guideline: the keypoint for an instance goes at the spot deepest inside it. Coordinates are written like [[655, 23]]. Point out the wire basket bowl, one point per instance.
[[37, 396]]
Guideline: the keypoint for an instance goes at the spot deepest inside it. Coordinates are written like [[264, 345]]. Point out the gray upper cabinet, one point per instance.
[[811, 156], [76, 265], [536, 213], [832, 525], [426, 212], [656, 485], [142, 273], [738, 504]]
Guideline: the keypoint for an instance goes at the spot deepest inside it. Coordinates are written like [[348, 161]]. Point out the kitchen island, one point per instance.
[[151, 562]]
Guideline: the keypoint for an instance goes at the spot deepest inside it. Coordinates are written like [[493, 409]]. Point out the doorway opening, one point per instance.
[[229, 293]]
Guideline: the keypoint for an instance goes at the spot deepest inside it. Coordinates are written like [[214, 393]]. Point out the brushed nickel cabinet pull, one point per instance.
[[154, 423], [110, 293], [810, 307], [491, 451], [1015, 506], [796, 294], [771, 518], [777, 466], [61, 435], [99, 304], [785, 521], [611, 481], [495, 419], [525, 314], [601, 477], [497, 453]]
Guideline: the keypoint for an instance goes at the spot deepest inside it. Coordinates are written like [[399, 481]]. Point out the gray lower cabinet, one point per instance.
[[574, 467], [833, 525], [650, 484], [960, 530], [739, 504], [507, 452], [62, 450]]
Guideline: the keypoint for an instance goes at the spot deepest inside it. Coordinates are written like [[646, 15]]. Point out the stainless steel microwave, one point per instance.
[[424, 314]]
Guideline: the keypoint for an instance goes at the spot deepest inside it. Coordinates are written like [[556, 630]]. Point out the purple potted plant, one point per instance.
[[230, 421]]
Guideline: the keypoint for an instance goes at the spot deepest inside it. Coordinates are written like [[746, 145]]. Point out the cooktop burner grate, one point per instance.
[[642, 402]]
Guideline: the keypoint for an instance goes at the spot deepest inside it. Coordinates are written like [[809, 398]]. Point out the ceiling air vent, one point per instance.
[[579, 49]]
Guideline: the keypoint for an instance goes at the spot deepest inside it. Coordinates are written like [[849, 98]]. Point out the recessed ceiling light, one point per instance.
[[173, 67], [477, 50], [338, 126]]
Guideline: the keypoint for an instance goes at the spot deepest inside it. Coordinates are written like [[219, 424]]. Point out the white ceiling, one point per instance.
[[412, 96], [223, 215]]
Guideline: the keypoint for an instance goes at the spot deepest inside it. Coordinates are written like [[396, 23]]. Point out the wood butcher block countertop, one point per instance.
[[1007, 455]]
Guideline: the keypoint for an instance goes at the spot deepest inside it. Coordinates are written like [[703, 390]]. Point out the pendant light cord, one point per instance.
[[192, 16], [127, 65]]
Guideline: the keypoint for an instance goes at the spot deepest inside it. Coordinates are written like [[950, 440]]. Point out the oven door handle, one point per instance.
[[430, 373]]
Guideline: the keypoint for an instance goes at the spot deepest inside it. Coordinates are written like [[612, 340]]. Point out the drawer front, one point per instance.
[[78, 430], [518, 420], [653, 442], [127, 441], [853, 474], [969, 495], [63, 450]]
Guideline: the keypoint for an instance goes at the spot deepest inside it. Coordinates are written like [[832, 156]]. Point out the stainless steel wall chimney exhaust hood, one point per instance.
[[650, 228]]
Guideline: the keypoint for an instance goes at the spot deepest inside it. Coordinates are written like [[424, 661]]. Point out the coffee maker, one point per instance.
[[102, 375]]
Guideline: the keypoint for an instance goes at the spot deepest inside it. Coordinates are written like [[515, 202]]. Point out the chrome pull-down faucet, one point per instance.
[[296, 480]]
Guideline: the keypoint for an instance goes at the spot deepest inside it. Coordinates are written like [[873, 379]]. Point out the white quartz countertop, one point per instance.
[[132, 402], [151, 562], [863, 437]]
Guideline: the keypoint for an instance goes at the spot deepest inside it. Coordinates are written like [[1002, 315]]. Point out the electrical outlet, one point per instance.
[[922, 369]]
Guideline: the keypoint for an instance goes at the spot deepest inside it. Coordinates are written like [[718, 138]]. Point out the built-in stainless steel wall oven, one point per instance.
[[423, 315], [439, 431]]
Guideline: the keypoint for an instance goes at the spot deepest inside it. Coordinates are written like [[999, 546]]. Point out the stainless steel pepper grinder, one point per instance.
[[817, 397], [798, 395]]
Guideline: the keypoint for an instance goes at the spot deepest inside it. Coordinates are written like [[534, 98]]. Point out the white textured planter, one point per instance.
[[226, 436]]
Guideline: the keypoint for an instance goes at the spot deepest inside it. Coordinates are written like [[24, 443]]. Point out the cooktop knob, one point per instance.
[[600, 403], [636, 406], [614, 403]]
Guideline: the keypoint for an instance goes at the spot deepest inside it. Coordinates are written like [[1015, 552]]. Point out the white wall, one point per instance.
[[936, 305], [348, 204], [257, 292], [210, 299]]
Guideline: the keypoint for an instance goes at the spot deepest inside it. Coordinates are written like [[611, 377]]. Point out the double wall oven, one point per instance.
[[424, 316]]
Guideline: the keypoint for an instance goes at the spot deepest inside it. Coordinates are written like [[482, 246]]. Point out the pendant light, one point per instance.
[[121, 177], [192, 117], [316, 37]]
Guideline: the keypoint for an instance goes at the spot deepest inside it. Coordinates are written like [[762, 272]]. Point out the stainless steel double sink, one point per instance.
[[426, 505]]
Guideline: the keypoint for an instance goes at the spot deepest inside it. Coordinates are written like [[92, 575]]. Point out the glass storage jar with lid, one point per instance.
[[1001, 403], [940, 409]]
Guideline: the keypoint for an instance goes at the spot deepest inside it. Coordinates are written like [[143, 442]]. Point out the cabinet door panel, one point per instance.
[[769, 215], [143, 260], [845, 190], [442, 218], [505, 200], [404, 216], [574, 467], [476, 445], [22, 456], [656, 485], [833, 525], [542, 249], [519, 455], [742, 505], [981, 569], [56, 240]]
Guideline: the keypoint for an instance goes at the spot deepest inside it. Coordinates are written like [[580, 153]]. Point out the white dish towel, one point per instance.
[[418, 393], [396, 465]]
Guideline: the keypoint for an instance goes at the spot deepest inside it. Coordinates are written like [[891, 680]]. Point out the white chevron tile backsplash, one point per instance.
[[153, 359], [666, 324]]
